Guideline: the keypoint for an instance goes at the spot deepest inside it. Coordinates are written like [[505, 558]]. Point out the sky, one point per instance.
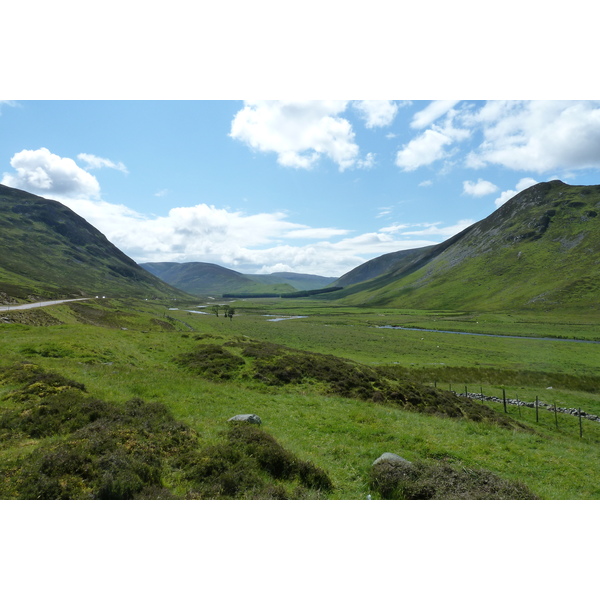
[[306, 186]]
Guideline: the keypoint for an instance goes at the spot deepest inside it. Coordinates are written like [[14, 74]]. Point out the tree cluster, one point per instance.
[[228, 311]]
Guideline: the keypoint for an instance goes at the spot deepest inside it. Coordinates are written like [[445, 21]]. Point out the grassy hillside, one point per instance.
[[538, 251], [299, 281], [207, 278], [48, 251]]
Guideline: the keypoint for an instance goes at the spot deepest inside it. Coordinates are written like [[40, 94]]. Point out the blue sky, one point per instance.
[[306, 186], [139, 123]]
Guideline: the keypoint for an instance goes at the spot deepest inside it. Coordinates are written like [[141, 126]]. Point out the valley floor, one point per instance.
[[133, 349]]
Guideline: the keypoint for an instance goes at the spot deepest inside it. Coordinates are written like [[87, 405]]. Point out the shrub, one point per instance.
[[422, 481], [245, 465], [211, 361]]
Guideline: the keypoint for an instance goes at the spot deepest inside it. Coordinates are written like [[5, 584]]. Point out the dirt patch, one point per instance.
[[34, 316]]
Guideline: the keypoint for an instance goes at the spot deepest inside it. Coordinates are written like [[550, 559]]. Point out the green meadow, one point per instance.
[[334, 391]]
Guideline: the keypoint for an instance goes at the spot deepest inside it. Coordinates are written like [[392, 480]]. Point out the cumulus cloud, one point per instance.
[[377, 113], [96, 162], [479, 188], [263, 242], [538, 136], [251, 243], [429, 229], [300, 133], [522, 184], [433, 144], [41, 172], [431, 113]]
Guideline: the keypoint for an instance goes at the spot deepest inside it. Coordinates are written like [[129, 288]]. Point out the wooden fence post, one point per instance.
[[580, 425], [504, 399], [555, 416], [537, 418]]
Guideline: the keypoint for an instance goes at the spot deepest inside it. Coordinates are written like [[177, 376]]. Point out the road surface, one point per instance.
[[39, 304]]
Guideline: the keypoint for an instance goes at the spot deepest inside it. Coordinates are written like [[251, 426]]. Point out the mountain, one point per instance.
[[207, 278], [540, 249], [48, 251], [299, 281]]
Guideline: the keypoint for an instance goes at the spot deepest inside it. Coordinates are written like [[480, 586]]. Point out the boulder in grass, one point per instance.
[[391, 458], [248, 418]]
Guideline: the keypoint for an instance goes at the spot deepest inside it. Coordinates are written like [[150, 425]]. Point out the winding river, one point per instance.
[[517, 337]]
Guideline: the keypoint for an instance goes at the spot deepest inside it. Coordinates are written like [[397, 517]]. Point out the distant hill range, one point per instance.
[[207, 278], [540, 250], [48, 251]]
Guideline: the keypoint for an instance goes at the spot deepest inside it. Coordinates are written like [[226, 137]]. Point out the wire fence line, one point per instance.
[[537, 405]]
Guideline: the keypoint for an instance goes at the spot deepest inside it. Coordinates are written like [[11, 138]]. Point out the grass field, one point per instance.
[[124, 350]]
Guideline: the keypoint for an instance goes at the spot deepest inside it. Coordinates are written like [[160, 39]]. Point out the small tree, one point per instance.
[[229, 312], [215, 308]]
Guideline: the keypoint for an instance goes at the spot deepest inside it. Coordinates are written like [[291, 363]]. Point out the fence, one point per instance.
[[537, 405]]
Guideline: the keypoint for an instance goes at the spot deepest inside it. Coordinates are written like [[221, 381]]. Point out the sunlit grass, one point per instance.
[[343, 436]]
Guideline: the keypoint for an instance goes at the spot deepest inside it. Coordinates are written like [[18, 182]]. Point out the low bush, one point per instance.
[[245, 465], [277, 365], [86, 448], [211, 361], [422, 481]]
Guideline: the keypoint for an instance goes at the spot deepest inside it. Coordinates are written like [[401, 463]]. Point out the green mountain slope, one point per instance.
[[208, 278], [299, 281], [48, 251], [539, 250]]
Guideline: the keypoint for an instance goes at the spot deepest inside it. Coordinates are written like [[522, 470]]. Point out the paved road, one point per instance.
[[39, 304]]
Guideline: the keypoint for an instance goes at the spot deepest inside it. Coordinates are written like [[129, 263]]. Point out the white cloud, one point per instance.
[[538, 136], [431, 113], [431, 229], [522, 184], [96, 162], [384, 211], [41, 172], [300, 133], [395, 228], [479, 188], [10, 103], [423, 150], [377, 113], [315, 233], [245, 242], [367, 162], [430, 146], [426, 183], [445, 232]]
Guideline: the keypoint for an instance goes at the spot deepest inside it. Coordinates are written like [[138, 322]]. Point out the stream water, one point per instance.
[[518, 337]]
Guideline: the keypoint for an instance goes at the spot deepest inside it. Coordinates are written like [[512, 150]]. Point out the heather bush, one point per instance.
[[423, 481]]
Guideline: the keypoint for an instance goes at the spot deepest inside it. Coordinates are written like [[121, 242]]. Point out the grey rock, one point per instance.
[[248, 418], [391, 457]]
